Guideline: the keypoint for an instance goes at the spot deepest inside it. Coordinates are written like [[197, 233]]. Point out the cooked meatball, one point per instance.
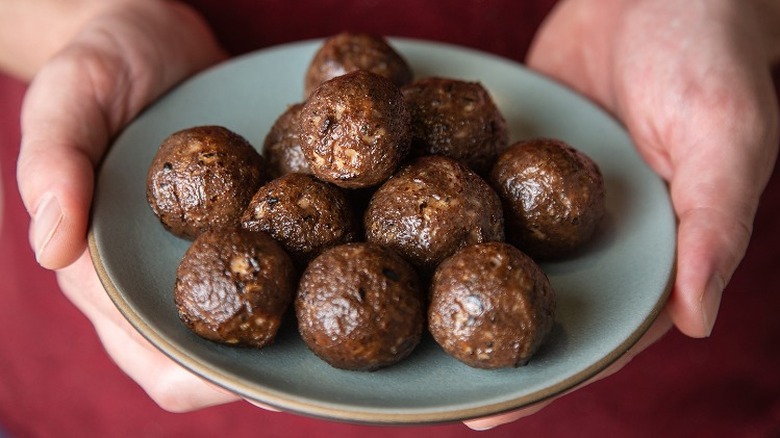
[[359, 307], [491, 306], [302, 213], [233, 286], [282, 145], [553, 197], [347, 52], [432, 208], [202, 178], [355, 130], [457, 119]]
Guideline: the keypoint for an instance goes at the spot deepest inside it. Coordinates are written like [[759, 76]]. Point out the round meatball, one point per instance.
[[457, 119], [347, 52], [355, 130], [491, 306], [282, 145], [233, 286], [302, 213], [432, 208], [359, 307], [202, 178], [553, 197]]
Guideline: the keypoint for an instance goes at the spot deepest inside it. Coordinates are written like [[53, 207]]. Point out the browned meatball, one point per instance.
[[347, 52], [359, 307], [302, 213], [202, 178], [457, 119], [282, 145], [355, 130], [432, 208], [233, 286], [553, 197], [491, 306]]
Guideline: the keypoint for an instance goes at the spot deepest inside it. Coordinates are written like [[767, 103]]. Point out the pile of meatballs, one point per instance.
[[381, 206]]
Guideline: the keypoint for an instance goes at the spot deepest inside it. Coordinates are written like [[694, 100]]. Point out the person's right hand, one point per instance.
[[124, 56]]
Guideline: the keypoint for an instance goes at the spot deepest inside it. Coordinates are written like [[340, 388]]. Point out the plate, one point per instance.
[[607, 297]]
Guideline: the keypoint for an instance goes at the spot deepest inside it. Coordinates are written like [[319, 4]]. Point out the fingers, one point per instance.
[[80, 99]]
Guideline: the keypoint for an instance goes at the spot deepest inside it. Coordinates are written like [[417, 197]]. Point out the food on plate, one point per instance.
[[553, 196], [455, 118], [347, 52], [359, 307], [233, 286], [305, 215], [202, 178], [491, 306], [282, 145], [355, 130], [431, 208]]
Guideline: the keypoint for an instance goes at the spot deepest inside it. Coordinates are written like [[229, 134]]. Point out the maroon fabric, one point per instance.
[[55, 379]]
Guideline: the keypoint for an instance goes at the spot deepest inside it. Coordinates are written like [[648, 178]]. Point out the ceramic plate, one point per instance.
[[607, 297]]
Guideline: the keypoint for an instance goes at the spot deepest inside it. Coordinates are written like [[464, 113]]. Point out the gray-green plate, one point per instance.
[[607, 297]]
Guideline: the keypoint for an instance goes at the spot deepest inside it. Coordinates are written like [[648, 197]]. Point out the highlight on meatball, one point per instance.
[[355, 130], [359, 307], [282, 145], [553, 196], [305, 215], [491, 306], [233, 286], [432, 208], [202, 178], [457, 119], [346, 52]]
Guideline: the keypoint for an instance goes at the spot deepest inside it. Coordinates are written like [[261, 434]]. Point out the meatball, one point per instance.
[[553, 197], [355, 130], [347, 52], [432, 208], [233, 286], [282, 145], [457, 119], [202, 178], [359, 307], [491, 306], [302, 213]]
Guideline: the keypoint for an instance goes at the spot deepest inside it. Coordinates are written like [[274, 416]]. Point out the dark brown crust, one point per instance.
[[202, 178], [359, 307], [233, 286], [491, 306], [302, 213], [457, 119], [355, 130], [282, 145], [432, 208], [553, 195], [347, 52]]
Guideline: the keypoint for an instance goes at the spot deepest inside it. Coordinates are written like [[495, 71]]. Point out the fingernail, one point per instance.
[[710, 302], [47, 219]]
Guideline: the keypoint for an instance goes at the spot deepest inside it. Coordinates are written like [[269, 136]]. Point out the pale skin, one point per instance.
[[704, 118]]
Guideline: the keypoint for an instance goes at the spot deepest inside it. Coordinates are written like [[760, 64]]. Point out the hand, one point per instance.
[[691, 82], [123, 57]]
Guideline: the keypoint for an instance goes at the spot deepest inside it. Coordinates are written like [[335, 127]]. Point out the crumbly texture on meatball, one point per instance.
[[491, 306], [553, 196], [302, 213], [457, 119], [233, 286], [282, 145], [430, 209], [346, 52], [355, 130], [359, 307], [202, 178]]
